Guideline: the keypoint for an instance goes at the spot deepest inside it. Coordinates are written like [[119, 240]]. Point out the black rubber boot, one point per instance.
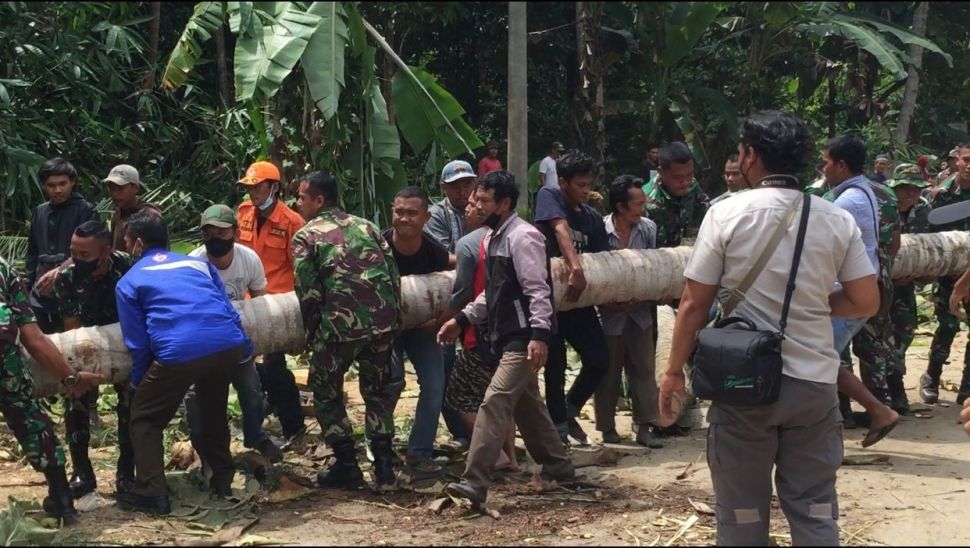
[[383, 463], [83, 480], [343, 473], [882, 395], [125, 472], [897, 393], [58, 503]]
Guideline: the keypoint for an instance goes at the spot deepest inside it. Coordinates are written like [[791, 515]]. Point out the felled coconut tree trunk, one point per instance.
[[274, 322]]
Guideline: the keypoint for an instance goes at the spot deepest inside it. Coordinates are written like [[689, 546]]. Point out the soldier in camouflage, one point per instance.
[[914, 210], [349, 289], [85, 292], [953, 190], [675, 201], [874, 344], [30, 425]]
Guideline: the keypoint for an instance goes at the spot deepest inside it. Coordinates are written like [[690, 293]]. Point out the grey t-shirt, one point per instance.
[[466, 259]]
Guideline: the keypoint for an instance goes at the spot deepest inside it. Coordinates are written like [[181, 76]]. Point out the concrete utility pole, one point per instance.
[[518, 105]]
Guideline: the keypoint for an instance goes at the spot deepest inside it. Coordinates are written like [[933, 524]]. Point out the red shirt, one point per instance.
[[469, 340], [488, 165]]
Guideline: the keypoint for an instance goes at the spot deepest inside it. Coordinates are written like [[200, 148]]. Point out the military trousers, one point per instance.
[[377, 387], [24, 416], [800, 437], [77, 423], [946, 330], [904, 320], [513, 397]]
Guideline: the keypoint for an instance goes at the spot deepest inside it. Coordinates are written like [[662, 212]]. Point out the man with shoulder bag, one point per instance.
[[774, 398]]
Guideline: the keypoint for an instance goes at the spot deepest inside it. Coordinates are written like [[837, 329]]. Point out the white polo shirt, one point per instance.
[[733, 235]]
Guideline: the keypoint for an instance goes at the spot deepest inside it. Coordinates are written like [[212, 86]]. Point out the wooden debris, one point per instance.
[[598, 456], [867, 460], [183, 456], [690, 465], [438, 505], [693, 519], [701, 507]]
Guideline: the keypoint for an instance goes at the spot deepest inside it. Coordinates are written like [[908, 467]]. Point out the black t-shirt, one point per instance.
[[586, 225], [431, 256]]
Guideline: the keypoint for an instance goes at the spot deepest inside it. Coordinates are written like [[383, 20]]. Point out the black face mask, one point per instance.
[[217, 248], [85, 268]]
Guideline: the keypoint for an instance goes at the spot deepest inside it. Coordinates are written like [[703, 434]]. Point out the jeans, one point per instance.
[[426, 356], [245, 379], [452, 418], [280, 386], [843, 329]]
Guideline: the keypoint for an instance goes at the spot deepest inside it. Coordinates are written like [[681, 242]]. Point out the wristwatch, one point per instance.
[[71, 379]]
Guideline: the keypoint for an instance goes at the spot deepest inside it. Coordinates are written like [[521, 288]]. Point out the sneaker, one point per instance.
[[610, 436], [929, 390], [422, 466], [577, 432], [465, 490], [269, 450]]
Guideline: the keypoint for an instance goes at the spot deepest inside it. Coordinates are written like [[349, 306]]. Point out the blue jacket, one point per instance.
[[173, 309]]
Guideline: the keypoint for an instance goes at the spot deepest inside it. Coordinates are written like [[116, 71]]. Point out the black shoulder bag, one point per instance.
[[735, 363]]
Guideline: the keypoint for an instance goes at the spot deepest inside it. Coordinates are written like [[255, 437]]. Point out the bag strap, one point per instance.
[[799, 243], [737, 294]]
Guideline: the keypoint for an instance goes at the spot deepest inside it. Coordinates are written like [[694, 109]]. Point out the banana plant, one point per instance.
[[329, 44]]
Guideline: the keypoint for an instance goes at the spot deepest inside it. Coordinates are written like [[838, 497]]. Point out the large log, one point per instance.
[[275, 325]]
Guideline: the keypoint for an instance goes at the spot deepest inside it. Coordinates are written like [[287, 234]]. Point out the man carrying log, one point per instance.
[[954, 190], [517, 306], [30, 425], [85, 293], [349, 289], [167, 304]]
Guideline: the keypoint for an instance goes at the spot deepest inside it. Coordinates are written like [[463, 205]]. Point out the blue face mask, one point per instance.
[[266, 205]]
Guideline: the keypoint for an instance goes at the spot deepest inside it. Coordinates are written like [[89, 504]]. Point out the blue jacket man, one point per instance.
[[181, 330]]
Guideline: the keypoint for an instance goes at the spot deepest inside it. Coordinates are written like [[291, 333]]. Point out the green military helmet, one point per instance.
[[907, 174]]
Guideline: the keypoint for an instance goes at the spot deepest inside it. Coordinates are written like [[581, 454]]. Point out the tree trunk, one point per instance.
[[274, 323], [388, 69], [225, 92], [588, 98], [148, 82], [912, 81], [518, 101]]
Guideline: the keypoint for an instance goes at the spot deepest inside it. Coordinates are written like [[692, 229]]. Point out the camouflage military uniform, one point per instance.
[[949, 324], [903, 311], [874, 345], [674, 216], [91, 300], [24, 416], [349, 289]]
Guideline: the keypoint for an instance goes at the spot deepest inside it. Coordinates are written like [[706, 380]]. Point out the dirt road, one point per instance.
[[914, 491]]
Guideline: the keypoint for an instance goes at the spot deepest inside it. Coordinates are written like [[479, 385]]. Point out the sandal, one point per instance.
[[873, 436]]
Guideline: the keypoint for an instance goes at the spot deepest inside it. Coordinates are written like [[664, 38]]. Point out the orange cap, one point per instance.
[[259, 172]]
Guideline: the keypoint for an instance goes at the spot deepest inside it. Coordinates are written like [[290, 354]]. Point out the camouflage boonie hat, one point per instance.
[[907, 174]]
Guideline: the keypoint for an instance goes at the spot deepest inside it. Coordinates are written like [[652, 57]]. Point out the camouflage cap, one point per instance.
[[907, 174]]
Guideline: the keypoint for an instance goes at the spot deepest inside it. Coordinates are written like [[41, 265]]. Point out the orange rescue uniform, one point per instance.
[[271, 242]]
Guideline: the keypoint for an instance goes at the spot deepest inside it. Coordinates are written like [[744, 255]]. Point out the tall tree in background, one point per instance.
[[912, 79]]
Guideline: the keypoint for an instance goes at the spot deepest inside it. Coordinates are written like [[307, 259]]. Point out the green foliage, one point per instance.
[[17, 529]]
